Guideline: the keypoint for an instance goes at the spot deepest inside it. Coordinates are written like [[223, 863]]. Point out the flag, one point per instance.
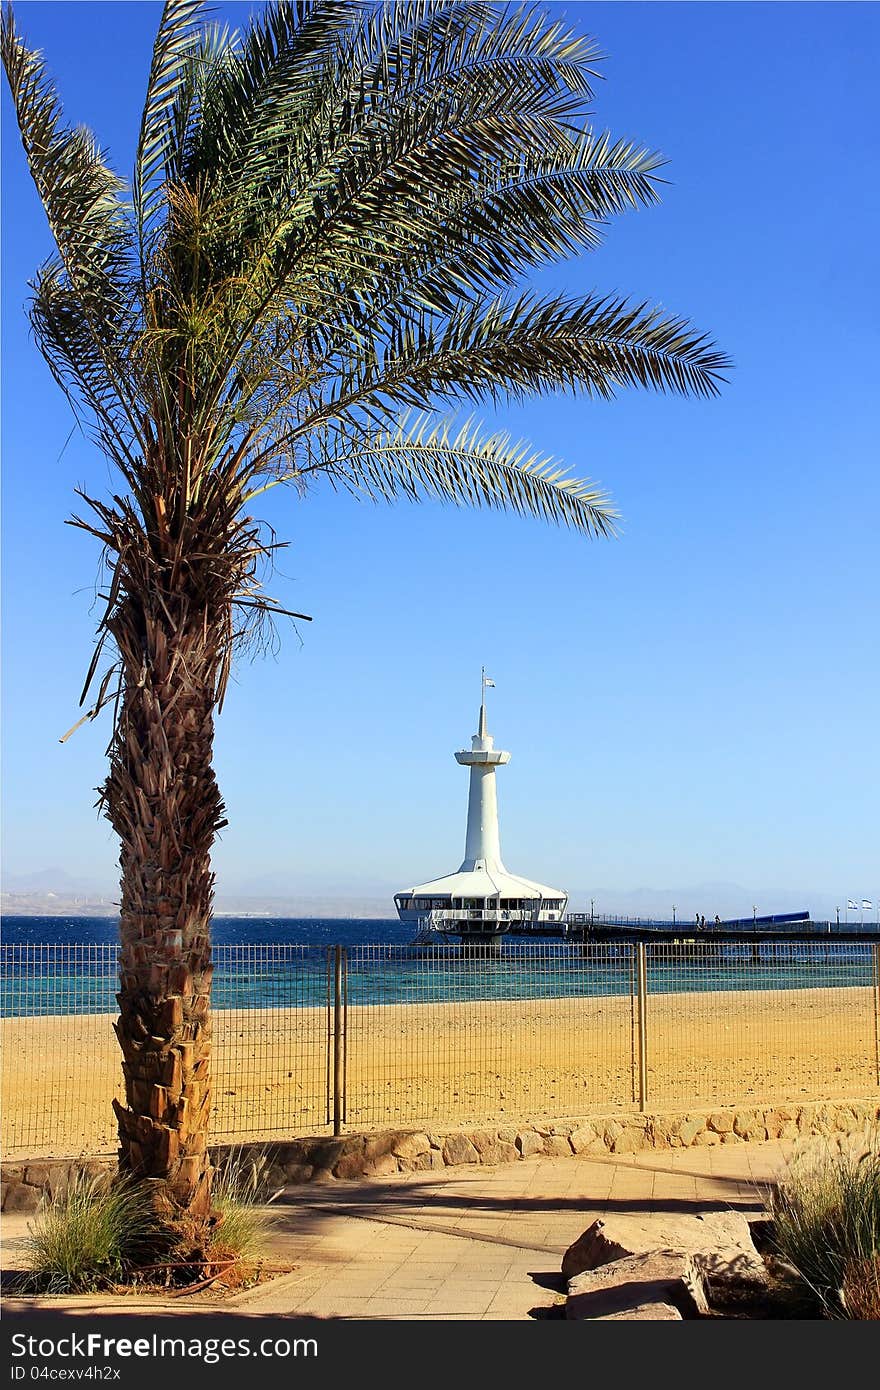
[[851, 905], [487, 681], [866, 903]]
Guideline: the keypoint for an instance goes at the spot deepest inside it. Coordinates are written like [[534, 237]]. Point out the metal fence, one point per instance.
[[308, 1039]]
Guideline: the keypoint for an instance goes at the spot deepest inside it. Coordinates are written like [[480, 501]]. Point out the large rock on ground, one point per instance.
[[459, 1149], [625, 1288], [720, 1242], [500, 1153], [411, 1145], [21, 1198], [642, 1312], [529, 1143]]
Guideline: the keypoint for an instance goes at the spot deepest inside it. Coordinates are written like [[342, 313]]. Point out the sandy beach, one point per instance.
[[443, 1064]]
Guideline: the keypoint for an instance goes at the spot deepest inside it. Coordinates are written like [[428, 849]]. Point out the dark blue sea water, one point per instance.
[[298, 931], [53, 965]]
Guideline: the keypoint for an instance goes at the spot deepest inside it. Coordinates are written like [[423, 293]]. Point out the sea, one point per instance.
[[67, 965]]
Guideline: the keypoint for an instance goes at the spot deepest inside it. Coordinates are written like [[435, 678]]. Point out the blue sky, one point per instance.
[[694, 702]]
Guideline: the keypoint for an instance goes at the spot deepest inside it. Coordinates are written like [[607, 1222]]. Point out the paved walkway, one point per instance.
[[472, 1243]]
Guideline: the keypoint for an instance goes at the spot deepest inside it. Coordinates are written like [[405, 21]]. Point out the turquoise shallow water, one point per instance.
[[53, 965]]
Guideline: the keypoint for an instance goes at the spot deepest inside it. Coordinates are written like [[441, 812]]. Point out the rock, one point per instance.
[[298, 1172], [789, 1130], [557, 1146], [668, 1277], [612, 1131], [689, 1128], [377, 1145], [757, 1135], [351, 1165], [324, 1153], [846, 1121], [4, 1188], [19, 1197], [507, 1136], [482, 1139], [459, 1149], [659, 1135], [631, 1141], [423, 1162], [744, 1121], [721, 1121], [38, 1174], [529, 1143], [502, 1153], [95, 1169], [324, 1175], [382, 1166], [731, 1138], [707, 1137], [720, 1241], [584, 1139], [773, 1124], [411, 1145], [642, 1312]]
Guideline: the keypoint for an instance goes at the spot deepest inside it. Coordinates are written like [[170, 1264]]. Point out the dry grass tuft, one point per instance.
[[826, 1216]]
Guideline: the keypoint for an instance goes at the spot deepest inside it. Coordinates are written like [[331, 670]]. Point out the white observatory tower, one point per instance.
[[483, 900]]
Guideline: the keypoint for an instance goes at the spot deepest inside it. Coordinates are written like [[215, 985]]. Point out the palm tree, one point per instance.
[[324, 246]]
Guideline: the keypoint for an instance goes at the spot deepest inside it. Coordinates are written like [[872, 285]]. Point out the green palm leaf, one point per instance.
[[467, 465], [177, 39]]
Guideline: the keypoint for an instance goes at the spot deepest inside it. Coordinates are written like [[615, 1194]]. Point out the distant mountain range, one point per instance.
[[55, 893]]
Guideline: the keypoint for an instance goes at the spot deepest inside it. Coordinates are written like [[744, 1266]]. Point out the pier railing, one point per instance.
[[309, 1040]]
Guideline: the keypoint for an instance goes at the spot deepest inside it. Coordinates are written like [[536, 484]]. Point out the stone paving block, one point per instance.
[[395, 1307], [459, 1302]]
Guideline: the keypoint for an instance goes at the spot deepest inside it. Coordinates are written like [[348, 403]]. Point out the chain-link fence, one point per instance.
[[311, 1038]]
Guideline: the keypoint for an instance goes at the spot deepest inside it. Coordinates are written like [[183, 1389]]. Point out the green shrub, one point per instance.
[[100, 1232], [90, 1235], [239, 1195], [826, 1215]]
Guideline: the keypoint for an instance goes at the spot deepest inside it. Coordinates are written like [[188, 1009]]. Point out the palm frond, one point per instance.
[[467, 465], [78, 365], [87, 217], [504, 348], [175, 39]]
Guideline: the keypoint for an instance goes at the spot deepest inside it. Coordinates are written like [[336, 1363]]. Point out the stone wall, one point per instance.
[[324, 1159]]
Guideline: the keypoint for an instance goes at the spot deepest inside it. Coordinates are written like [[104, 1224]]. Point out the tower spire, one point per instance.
[[482, 842]]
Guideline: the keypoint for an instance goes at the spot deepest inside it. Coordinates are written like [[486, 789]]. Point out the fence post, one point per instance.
[[876, 991], [632, 1020], [642, 982], [328, 1050], [338, 1040]]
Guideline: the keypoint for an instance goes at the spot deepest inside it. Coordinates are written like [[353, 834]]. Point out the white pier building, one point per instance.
[[483, 899]]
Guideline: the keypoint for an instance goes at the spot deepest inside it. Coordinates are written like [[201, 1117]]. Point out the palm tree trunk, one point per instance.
[[161, 797]]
